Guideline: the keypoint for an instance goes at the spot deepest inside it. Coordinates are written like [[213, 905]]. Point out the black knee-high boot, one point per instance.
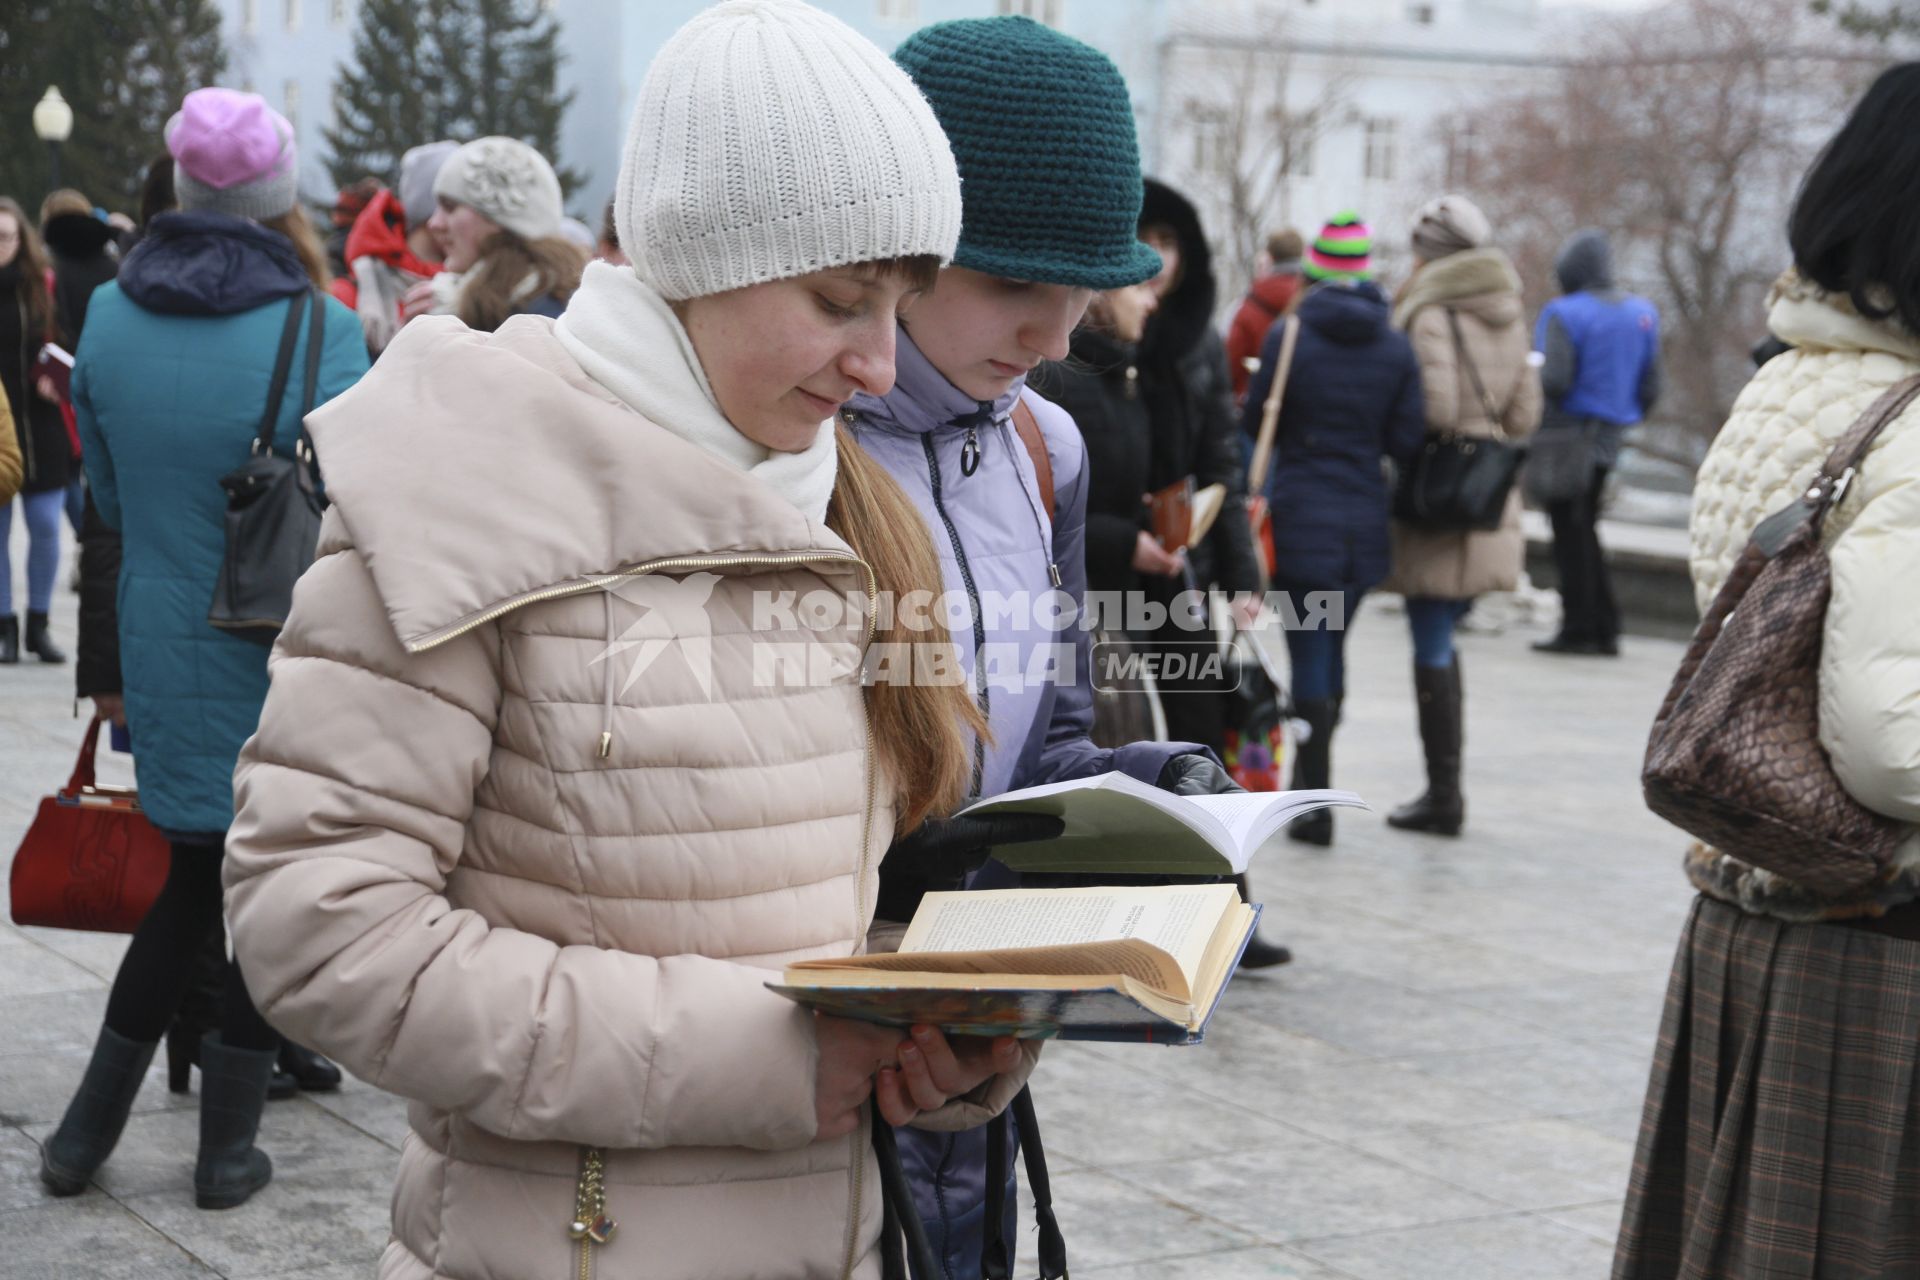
[[233, 1092], [1442, 810], [1313, 767]]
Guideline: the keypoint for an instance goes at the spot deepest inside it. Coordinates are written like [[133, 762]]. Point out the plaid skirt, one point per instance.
[[1779, 1139]]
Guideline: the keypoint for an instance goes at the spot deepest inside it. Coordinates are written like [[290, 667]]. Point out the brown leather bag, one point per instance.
[[1735, 756]]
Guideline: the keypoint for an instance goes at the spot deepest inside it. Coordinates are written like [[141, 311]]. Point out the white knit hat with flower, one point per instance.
[[508, 181], [770, 140]]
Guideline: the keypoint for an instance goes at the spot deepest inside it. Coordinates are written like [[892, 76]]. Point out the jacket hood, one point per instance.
[[1185, 314], [1101, 352], [380, 231], [517, 472], [1802, 314], [1276, 289], [77, 235], [922, 399], [202, 263], [1585, 262], [1479, 281], [1349, 314]]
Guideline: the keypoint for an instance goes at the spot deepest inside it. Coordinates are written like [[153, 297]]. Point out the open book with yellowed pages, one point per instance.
[[1098, 963]]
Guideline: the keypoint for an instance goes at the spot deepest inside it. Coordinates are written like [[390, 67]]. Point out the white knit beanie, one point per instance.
[[508, 181], [770, 140]]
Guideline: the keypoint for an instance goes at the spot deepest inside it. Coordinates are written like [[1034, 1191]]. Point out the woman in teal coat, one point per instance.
[[168, 387]]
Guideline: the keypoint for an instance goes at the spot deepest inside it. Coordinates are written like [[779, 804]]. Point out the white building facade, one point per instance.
[[1352, 89]]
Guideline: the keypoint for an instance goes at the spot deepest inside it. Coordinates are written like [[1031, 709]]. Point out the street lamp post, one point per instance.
[[53, 124]]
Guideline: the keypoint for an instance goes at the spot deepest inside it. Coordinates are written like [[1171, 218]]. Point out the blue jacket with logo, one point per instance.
[[1601, 346]]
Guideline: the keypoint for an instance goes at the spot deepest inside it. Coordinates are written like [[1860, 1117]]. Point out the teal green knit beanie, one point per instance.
[[1042, 128]]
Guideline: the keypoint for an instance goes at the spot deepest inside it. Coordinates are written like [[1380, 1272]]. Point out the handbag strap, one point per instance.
[[1498, 417], [1836, 473], [1828, 484], [310, 385], [83, 774], [277, 387], [898, 1214], [1028, 429], [1270, 412]]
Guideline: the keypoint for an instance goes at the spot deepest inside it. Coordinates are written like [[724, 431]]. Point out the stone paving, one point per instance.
[[1444, 1085]]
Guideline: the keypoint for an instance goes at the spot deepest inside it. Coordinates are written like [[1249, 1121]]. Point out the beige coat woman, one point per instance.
[[1479, 288], [542, 796]]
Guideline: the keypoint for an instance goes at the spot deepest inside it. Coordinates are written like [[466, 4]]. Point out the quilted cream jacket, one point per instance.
[[1783, 426], [525, 827]]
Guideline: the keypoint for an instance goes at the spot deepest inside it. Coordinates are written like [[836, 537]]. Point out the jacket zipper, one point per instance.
[[862, 1135], [973, 603], [590, 1224]]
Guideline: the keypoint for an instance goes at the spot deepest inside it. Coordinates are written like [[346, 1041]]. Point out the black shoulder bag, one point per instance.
[[273, 508], [1461, 482]]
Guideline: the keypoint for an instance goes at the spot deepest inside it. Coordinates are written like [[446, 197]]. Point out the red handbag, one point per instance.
[[91, 860]]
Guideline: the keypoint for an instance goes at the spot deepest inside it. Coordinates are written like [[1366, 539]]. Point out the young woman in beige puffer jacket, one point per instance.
[[551, 782], [1781, 1135], [1461, 309]]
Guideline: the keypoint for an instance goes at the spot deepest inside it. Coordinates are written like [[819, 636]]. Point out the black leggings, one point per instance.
[[158, 966]]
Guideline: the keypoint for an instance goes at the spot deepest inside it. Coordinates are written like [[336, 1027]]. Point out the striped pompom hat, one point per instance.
[[1340, 251]]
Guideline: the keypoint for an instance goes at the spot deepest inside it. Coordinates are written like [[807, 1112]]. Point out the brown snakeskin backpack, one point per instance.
[[1735, 756]]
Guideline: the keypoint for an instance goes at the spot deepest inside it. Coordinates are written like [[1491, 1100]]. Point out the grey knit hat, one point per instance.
[[232, 153], [418, 168], [508, 181]]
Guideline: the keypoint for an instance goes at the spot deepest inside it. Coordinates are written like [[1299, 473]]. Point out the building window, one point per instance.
[[1420, 14], [290, 99], [1380, 149], [1296, 144], [293, 15], [1047, 11], [249, 16], [1463, 145], [337, 13], [897, 13], [1212, 145]]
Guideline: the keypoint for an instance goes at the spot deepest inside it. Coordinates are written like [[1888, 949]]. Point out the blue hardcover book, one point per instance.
[[1144, 964]]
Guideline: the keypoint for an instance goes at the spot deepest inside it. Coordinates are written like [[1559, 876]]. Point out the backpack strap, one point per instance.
[[1029, 430]]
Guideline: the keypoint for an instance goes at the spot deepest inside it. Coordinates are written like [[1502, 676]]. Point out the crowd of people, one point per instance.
[[952, 342]]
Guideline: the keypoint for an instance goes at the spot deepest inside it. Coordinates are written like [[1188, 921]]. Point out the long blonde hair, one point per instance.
[[921, 731], [294, 226], [493, 286]]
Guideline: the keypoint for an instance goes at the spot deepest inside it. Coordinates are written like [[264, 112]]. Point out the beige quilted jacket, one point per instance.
[[1481, 287], [525, 829], [1783, 426]]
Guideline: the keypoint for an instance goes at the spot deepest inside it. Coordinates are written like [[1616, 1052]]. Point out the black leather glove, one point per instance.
[[1196, 775], [941, 853]]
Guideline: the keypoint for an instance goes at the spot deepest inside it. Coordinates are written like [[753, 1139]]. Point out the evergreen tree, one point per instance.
[[122, 65], [461, 69]]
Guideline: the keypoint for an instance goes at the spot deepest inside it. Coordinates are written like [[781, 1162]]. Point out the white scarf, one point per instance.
[[629, 341]]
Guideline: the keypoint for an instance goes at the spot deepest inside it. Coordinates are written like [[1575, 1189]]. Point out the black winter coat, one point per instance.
[[97, 666], [82, 262], [1352, 402], [1099, 386], [1189, 396], [45, 447]]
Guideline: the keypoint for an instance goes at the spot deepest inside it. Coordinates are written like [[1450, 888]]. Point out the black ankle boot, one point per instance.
[[39, 642], [9, 640], [97, 1114], [1260, 954], [233, 1092], [1442, 810], [310, 1072], [1313, 768]]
